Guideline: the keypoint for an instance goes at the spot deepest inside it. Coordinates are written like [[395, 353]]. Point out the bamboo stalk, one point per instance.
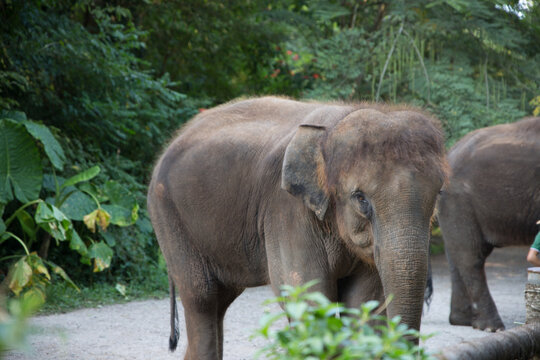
[[420, 58], [387, 61], [487, 84]]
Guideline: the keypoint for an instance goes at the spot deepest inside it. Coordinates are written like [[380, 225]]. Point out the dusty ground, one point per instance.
[[140, 330]]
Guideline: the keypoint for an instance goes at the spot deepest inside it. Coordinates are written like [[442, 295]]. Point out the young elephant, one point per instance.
[[493, 200], [274, 191]]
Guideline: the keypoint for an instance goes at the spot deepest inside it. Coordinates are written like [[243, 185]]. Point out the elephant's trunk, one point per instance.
[[401, 257]]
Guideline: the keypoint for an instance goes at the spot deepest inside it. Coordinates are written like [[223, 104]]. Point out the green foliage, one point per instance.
[[471, 63], [13, 320], [31, 272], [88, 85], [75, 93], [320, 329]]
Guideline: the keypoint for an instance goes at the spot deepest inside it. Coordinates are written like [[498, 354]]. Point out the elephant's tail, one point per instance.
[[428, 291], [175, 332]]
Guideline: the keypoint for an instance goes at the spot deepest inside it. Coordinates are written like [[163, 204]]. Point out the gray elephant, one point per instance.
[[275, 191], [492, 200]]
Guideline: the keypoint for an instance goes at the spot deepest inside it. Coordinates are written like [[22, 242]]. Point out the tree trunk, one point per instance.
[[521, 342]]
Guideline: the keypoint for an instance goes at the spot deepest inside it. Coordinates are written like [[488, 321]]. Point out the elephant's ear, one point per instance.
[[303, 172]]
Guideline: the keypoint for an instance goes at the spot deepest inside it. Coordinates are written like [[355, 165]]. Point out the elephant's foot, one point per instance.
[[466, 318], [460, 318], [488, 324]]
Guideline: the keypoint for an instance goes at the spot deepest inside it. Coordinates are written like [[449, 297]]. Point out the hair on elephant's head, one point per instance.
[[380, 171]]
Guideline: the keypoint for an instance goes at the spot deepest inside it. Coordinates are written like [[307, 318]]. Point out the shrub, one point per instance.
[[321, 329]]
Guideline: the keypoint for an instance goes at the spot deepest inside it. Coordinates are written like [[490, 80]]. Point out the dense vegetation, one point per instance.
[[90, 90]]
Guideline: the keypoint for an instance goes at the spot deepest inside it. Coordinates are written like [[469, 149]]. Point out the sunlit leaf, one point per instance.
[[37, 265], [34, 297], [98, 217], [296, 310], [121, 216], [102, 255], [121, 289], [59, 271], [20, 275]]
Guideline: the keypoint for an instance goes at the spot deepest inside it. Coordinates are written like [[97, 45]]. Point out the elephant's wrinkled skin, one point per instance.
[[274, 191], [492, 200]]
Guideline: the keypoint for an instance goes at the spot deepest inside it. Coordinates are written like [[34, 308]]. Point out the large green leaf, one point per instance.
[[2, 226], [20, 275], [77, 244], [18, 116], [102, 255], [27, 224], [77, 205], [54, 221], [83, 176], [123, 206], [120, 215], [52, 147], [21, 174]]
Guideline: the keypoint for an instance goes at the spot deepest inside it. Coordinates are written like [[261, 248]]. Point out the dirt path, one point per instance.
[[140, 330]]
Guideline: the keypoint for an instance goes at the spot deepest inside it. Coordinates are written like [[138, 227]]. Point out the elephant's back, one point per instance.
[[218, 173], [497, 169], [492, 143]]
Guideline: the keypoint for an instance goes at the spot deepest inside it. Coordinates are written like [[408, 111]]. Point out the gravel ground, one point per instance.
[[140, 329]]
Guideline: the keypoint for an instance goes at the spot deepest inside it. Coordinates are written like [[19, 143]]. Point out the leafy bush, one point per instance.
[[91, 118], [320, 329], [22, 178]]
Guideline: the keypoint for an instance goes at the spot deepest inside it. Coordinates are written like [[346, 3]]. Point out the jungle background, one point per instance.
[[91, 90]]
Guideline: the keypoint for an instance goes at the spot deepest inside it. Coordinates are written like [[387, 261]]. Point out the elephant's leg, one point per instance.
[[205, 301], [485, 314], [460, 304], [363, 286], [202, 329], [226, 299], [471, 299]]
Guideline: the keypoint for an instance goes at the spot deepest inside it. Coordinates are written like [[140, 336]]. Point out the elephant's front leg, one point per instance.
[[295, 250], [460, 304], [363, 286], [470, 293]]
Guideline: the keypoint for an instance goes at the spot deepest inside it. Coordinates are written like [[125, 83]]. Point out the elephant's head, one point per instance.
[[374, 176]]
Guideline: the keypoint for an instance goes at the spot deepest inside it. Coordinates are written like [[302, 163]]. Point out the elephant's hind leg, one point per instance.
[[226, 299], [204, 322]]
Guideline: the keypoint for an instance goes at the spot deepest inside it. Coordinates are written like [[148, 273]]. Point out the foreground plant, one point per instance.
[[320, 329]]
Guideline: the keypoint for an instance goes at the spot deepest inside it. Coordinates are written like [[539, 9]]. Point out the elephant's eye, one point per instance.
[[362, 203]]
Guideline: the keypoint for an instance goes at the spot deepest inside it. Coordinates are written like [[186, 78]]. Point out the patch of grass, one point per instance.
[[63, 298]]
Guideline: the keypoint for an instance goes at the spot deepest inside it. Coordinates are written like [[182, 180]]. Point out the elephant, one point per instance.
[[492, 200], [276, 191]]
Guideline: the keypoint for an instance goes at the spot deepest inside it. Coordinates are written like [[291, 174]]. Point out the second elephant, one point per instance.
[[492, 200]]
